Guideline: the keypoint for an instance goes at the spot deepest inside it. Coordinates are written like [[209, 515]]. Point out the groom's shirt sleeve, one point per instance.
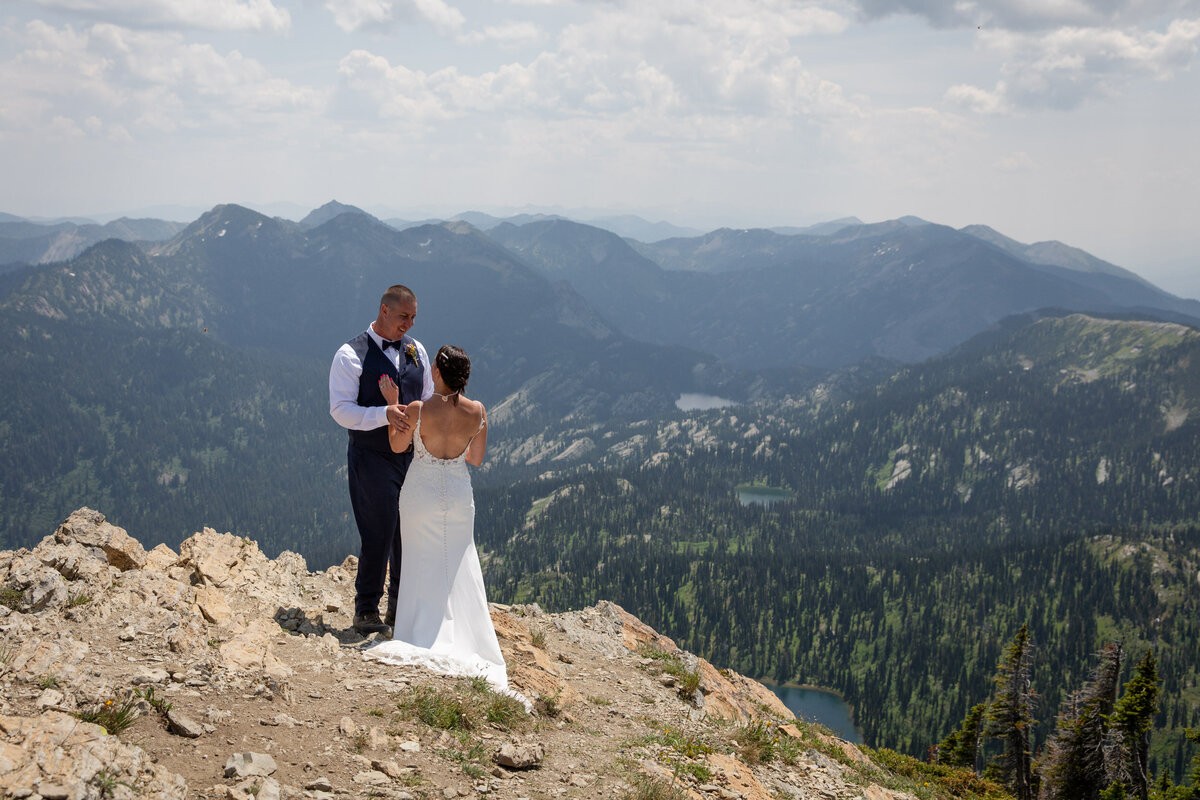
[[343, 394], [427, 376]]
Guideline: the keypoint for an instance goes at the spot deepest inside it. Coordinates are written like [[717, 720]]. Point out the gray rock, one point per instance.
[[519, 756], [180, 724], [372, 778], [49, 697], [243, 765], [150, 675], [47, 589], [319, 785]]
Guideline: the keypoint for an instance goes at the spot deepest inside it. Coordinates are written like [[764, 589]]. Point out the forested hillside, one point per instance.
[[1045, 474]]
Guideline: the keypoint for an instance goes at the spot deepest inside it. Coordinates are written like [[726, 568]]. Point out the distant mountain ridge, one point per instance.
[[24, 242], [903, 289]]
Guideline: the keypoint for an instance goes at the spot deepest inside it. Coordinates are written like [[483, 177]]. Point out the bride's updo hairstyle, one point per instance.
[[455, 367]]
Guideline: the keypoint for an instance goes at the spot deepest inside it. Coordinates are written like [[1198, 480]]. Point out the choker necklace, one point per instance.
[[445, 397]]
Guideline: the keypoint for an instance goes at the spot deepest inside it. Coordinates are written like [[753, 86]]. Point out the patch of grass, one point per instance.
[[375, 712], [157, 703], [47, 681], [697, 769], [114, 715], [11, 597], [538, 639], [106, 783], [467, 707], [757, 743], [360, 742], [686, 745], [76, 600], [438, 709], [505, 712], [549, 705], [647, 788], [688, 681], [600, 701], [789, 750], [925, 780], [472, 755]]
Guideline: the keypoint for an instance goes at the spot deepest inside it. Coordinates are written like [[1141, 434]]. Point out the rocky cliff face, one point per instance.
[[217, 672]]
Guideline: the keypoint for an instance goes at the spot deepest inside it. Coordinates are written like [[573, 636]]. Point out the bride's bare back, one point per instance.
[[447, 428]]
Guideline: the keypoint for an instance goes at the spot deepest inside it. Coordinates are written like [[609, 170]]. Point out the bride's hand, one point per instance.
[[391, 392]]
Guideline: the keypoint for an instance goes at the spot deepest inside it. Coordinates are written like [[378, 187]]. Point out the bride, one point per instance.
[[442, 619]]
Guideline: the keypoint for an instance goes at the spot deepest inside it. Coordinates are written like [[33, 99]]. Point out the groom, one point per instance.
[[376, 473]]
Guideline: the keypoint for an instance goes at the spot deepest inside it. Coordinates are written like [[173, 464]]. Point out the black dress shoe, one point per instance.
[[369, 623], [389, 619]]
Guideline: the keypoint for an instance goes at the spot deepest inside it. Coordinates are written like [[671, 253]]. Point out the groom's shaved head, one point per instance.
[[395, 295]]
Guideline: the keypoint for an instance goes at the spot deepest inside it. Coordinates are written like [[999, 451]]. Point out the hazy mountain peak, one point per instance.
[[460, 227], [333, 208], [1052, 254]]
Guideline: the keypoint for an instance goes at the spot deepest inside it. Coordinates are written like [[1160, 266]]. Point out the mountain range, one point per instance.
[[932, 398]]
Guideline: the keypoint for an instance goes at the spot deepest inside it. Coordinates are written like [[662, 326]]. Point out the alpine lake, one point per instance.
[[821, 706]]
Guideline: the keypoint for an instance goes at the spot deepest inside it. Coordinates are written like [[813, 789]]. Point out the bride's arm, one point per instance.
[[478, 445], [400, 438]]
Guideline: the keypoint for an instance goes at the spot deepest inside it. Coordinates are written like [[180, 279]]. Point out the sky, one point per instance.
[[1073, 120]]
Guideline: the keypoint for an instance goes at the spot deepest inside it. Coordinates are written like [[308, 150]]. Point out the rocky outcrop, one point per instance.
[[216, 672]]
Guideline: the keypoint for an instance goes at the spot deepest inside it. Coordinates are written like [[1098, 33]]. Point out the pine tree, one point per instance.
[[961, 748], [1081, 759], [1133, 718], [1010, 715]]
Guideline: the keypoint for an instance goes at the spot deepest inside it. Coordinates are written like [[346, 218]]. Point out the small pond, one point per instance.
[[818, 705], [762, 495], [702, 402]]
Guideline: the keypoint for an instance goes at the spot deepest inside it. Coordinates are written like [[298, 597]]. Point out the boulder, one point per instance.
[[57, 755], [244, 765], [519, 756], [180, 724], [89, 528], [215, 559], [252, 650]]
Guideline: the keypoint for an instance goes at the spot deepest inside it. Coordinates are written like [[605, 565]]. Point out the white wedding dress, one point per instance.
[[442, 619]]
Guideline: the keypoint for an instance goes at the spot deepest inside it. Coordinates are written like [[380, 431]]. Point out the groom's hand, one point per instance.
[[398, 417]]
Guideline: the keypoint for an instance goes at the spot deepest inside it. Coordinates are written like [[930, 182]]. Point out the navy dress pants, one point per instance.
[[375, 480]]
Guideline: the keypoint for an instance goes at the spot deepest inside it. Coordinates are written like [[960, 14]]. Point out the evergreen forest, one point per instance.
[[1038, 476]]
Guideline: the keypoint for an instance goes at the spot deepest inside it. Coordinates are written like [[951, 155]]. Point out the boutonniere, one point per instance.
[[410, 350]]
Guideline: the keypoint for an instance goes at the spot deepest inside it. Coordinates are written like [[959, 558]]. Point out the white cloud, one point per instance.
[[978, 100], [1062, 68], [686, 59], [221, 15], [509, 34], [1030, 14], [385, 15], [113, 82]]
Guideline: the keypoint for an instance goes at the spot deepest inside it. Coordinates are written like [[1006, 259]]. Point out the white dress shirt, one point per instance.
[[343, 385]]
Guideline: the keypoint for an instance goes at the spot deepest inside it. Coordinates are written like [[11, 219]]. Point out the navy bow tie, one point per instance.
[[396, 344]]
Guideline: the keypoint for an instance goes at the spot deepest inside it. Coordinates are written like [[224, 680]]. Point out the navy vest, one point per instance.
[[410, 379]]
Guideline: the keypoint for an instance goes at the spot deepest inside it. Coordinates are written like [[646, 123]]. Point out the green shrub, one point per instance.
[[114, 715], [757, 743]]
